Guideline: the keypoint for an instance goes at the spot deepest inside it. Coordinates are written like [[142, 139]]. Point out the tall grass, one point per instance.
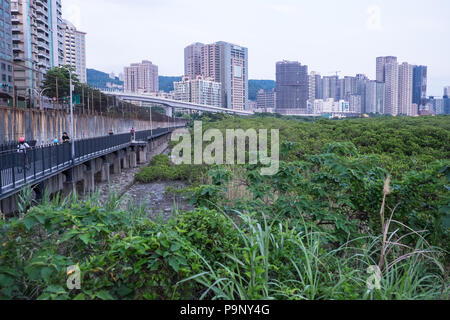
[[318, 273]]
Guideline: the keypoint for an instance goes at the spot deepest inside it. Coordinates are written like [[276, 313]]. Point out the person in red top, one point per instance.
[[132, 134]]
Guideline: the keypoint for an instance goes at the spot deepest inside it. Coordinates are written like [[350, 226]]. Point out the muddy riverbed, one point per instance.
[[156, 201], [152, 196]]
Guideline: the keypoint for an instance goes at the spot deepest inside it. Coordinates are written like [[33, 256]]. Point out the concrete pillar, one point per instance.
[[142, 155], [116, 166], [105, 172], [89, 181], [40, 190], [133, 159], [126, 161], [8, 205]]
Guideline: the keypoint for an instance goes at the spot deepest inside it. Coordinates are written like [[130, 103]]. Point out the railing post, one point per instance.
[[57, 157], [1, 180], [34, 163], [13, 166], [43, 160], [24, 167]]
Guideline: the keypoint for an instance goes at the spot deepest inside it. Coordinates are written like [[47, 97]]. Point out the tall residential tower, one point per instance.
[[6, 53], [420, 75], [193, 60], [37, 41], [387, 72], [292, 87], [405, 90], [225, 63], [141, 77], [75, 49]]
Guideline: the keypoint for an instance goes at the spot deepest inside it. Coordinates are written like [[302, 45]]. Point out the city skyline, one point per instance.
[[350, 31]]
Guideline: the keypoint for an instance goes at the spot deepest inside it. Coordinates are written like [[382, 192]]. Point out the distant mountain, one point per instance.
[[255, 85], [166, 83], [99, 79]]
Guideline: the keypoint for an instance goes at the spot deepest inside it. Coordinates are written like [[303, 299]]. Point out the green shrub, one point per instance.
[[162, 169]]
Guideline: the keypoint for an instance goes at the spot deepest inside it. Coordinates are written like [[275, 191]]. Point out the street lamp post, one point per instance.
[[40, 93], [71, 119], [151, 123]]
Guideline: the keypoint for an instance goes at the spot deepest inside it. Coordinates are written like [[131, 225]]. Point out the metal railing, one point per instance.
[[9, 146], [18, 169]]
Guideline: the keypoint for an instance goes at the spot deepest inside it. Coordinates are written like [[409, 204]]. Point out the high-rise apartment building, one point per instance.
[[355, 103], [199, 90], [380, 97], [206, 92], [319, 86], [75, 49], [228, 64], [374, 97], [371, 97], [141, 77], [447, 104], [312, 86], [405, 89], [330, 89], [420, 75], [221, 62], [437, 105], [387, 72], [193, 60], [266, 100], [6, 52], [37, 41], [447, 91], [292, 87]]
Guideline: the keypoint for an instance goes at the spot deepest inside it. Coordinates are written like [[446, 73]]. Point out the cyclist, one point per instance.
[[22, 148]]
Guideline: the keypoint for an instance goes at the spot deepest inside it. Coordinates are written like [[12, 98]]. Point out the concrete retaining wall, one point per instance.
[[46, 125]]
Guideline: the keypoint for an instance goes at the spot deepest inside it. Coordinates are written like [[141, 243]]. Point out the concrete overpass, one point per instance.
[[174, 103]]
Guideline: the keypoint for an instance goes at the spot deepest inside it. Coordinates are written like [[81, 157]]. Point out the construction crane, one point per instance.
[[336, 72]]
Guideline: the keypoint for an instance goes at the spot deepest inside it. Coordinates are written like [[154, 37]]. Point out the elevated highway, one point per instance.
[[174, 103]]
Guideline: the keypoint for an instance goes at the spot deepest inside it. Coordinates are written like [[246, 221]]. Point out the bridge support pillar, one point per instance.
[[89, 180], [142, 155], [105, 172], [126, 160], [8, 205], [133, 159], [68, 186], [40, 190], [116, 166]]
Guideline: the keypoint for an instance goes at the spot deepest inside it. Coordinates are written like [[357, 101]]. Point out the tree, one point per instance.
[[57, 82]]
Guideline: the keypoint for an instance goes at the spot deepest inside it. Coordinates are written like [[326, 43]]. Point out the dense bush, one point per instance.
[[162, 169], [200, 254], [349, 195]]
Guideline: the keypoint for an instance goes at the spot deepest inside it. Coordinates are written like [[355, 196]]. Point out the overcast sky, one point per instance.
[[326, 35]]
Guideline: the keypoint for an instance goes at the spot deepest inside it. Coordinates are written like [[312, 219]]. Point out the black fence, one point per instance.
[[8, 146], [18, 168]]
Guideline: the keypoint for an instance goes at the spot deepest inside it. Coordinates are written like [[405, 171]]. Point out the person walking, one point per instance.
[[133, 134], [65, 137], [22, 149]]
